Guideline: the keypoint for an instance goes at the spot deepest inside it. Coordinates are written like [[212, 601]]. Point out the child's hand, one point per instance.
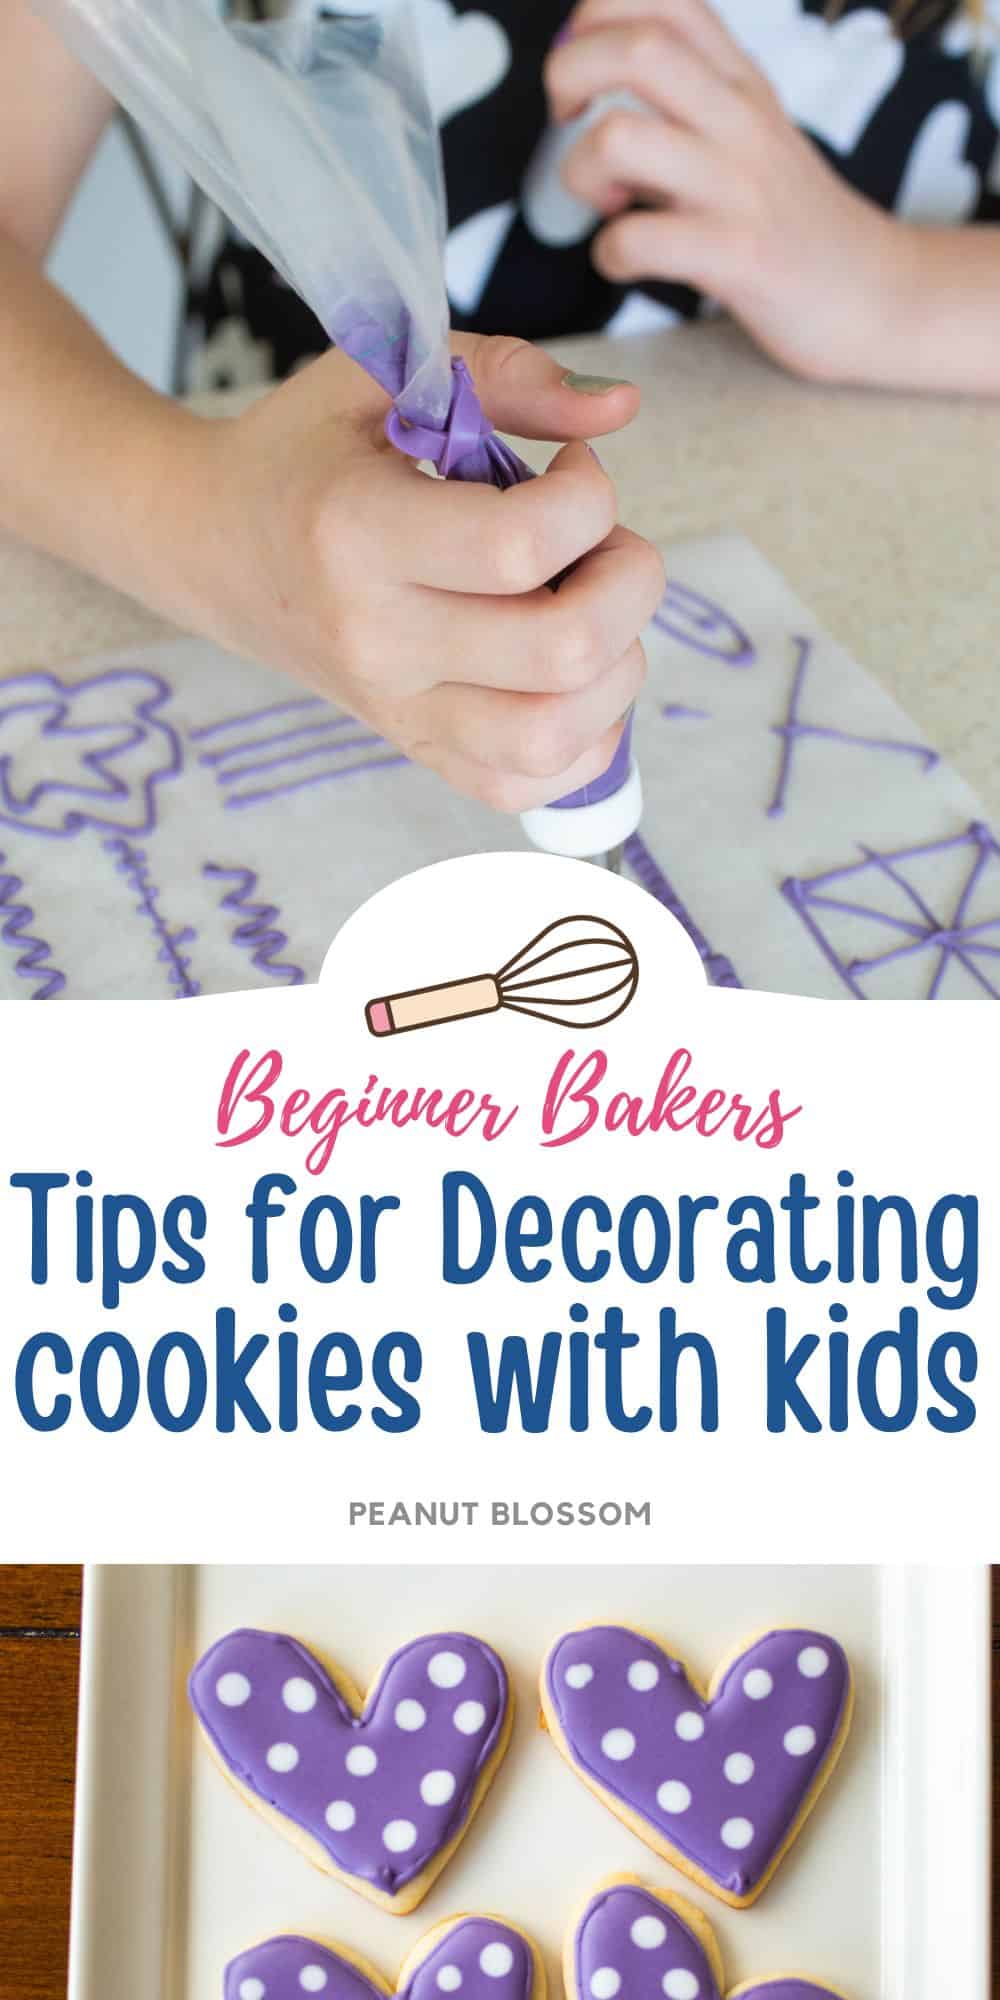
[[735, 199], [420, 604]]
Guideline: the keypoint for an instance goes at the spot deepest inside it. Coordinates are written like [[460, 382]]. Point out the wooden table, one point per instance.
[[39, 1660]]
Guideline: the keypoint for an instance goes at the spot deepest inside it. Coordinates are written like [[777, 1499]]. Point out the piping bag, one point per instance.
[[315, 135]]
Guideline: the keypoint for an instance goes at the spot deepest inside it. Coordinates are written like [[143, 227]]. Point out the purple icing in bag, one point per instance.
[[381, 1793], [721, 1781], [637, 1946]]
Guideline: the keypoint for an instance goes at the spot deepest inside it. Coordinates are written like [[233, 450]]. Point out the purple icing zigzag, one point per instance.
[[485, 1958], [634, 1944], [381, 1792], [720, 1782]]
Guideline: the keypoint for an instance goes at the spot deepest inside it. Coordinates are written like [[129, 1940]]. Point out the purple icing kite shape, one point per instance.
[[84, 753], [377, 1793], [719, 1783], [486, 1959], [640, 1946]]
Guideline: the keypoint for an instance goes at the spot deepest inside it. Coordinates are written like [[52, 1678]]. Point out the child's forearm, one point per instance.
[[90, 455], [935, 323]]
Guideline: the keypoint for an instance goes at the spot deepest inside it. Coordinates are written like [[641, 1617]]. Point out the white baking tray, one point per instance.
[[885, 1896]]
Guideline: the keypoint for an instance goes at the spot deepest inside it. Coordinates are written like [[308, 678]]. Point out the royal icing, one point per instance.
[[479, 1956], [630, 1943], [721, 1781], [381, 1792]]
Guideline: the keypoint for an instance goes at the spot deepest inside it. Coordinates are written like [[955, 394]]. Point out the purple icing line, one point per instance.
[[678, 711], [381, 1792], [323, 727], [950, 939], [724, 1780], [132, 863], [255, 715], [144, 747], [792, 729], [480, 1956], [257, 931], [265, 792], [628, 1932], [696, 622], [32, 963], [720, 970], [232, 773]]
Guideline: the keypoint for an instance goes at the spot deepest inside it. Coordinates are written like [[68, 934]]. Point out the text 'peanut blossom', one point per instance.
[[632, 1943], [721, 1784], [378, 1794]]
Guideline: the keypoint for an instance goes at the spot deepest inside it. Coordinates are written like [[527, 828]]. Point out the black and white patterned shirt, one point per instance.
[[914, 124]]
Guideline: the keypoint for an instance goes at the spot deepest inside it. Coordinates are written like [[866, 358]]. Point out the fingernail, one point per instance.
[[594, 385]]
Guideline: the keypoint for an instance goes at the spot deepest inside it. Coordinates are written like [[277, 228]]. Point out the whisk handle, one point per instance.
[[426, 1006]]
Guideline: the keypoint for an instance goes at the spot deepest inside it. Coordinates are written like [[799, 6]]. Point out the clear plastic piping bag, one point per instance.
[[314, 133]]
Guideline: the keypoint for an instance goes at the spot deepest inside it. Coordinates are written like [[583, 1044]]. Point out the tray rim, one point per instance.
[[935, 1904]]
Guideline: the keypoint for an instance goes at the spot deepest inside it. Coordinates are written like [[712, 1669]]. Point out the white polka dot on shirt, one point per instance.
[[648, 1933], [689, 1726], [361, 1760], [312, 1978], [739, 1768], [737, 1833], [233, 1690], [252, 1989], [757, 1684], [410, 1715], [437, 1788], [282, 1757], [299, 1695], [799, 1741], [469, 1717], [813, 1662], [605, 1982], [618, 1744], [496, 1960], [579, 1675], [643, 1675], [399, 1836], [449, 1978], [446, 1670]]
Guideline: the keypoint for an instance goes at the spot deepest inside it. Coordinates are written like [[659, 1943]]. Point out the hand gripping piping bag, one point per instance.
[[315, 135]]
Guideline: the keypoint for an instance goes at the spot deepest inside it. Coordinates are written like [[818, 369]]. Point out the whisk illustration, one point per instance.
[[580, 972]]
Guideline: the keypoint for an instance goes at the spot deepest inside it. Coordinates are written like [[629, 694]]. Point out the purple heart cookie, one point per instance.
[[377, 1794], [719, 1783], [640, 1946], [484, 1958]]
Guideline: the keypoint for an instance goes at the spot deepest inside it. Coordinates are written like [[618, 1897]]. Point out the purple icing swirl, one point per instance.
[[720, 1781], [480, 1956], [632, 1944], [381, 1792]]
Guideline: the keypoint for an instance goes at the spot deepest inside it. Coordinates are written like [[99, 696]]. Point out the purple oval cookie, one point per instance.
[[381, 1793], [638, 1946], [720, 1784], [484, 1958]]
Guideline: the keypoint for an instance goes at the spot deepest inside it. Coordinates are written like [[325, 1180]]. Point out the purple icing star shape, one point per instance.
[[84, 753], [631, 1943], [382, 1792], [722, 1781], [484, 1958]]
